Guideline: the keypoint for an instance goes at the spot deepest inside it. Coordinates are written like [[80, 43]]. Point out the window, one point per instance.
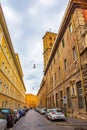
[[59, 71], [63, 43], [61, 94], [52, 82], [54, 60], [61, 98], [70, 28], [69, 97], [55, 78], [51, 44], [58, 52], [50, 101], [3, 65], [56, 95], [53, 105], [80, 95], [0, 84], [65, 64], [73, 87], [50, 38], [74, 53]]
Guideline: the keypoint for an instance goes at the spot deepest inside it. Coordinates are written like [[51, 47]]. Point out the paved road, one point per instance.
[[34, 121]]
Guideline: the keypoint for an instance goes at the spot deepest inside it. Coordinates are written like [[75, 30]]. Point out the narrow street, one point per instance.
[[34, 121]]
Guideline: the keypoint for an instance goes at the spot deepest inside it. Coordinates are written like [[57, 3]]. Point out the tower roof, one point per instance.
[[49, 33]]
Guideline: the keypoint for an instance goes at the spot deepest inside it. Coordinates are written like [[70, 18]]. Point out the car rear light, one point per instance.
[[62, 112], [53, 113]]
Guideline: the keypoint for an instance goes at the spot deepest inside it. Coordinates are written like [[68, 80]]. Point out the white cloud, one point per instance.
[[47, 3], [27, 27], [32, 10], [12, 16]]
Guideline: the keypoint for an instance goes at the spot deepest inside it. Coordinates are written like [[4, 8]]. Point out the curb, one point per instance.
[[69, 124]]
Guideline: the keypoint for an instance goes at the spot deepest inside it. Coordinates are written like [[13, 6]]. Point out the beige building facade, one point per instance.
[[66, 70], [12, 88]]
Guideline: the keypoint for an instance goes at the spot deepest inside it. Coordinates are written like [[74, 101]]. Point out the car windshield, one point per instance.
[[5, 111], [49, 110], [59, 110]]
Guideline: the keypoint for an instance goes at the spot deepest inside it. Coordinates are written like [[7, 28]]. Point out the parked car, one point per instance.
[[56, 114], [36, 109], [48, 111], [26, 109], [17, 115], [21, 112], [9, 116], [42, 110], [3, 122]]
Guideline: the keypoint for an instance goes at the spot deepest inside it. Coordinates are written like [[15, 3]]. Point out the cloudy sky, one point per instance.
[[28, 21]]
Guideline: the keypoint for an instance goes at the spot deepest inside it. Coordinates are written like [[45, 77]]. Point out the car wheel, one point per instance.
[[12, 124], [5, 128], [49, 117]]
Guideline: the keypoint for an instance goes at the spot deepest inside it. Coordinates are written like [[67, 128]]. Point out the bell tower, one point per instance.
[[48, 41]]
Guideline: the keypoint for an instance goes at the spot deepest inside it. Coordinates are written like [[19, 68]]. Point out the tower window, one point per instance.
[[50, 38], [51, 44]]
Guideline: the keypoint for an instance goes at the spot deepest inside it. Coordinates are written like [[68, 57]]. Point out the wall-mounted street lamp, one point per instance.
[[34, 66]]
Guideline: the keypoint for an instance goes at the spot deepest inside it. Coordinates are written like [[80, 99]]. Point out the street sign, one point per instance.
[[64, 100]]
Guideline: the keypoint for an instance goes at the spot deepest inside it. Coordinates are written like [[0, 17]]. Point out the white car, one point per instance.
[[3, 122], [42, 110], [56, 114]]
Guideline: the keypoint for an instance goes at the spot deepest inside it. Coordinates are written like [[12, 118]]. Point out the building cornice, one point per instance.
[[67, 16]]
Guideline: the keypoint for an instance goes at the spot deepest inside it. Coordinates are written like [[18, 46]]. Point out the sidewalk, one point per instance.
[[73, 122]]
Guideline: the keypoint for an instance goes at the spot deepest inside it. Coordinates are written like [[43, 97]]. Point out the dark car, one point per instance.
[[10, 117], [21, 112], [3, 122], [17, 115]]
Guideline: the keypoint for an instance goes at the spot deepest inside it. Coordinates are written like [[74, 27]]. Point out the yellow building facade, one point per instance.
[[12, 88], [31, 101]]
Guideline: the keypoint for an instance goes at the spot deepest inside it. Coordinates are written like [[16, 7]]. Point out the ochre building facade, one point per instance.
[[31, 101], [66, 70], [12, 88]]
